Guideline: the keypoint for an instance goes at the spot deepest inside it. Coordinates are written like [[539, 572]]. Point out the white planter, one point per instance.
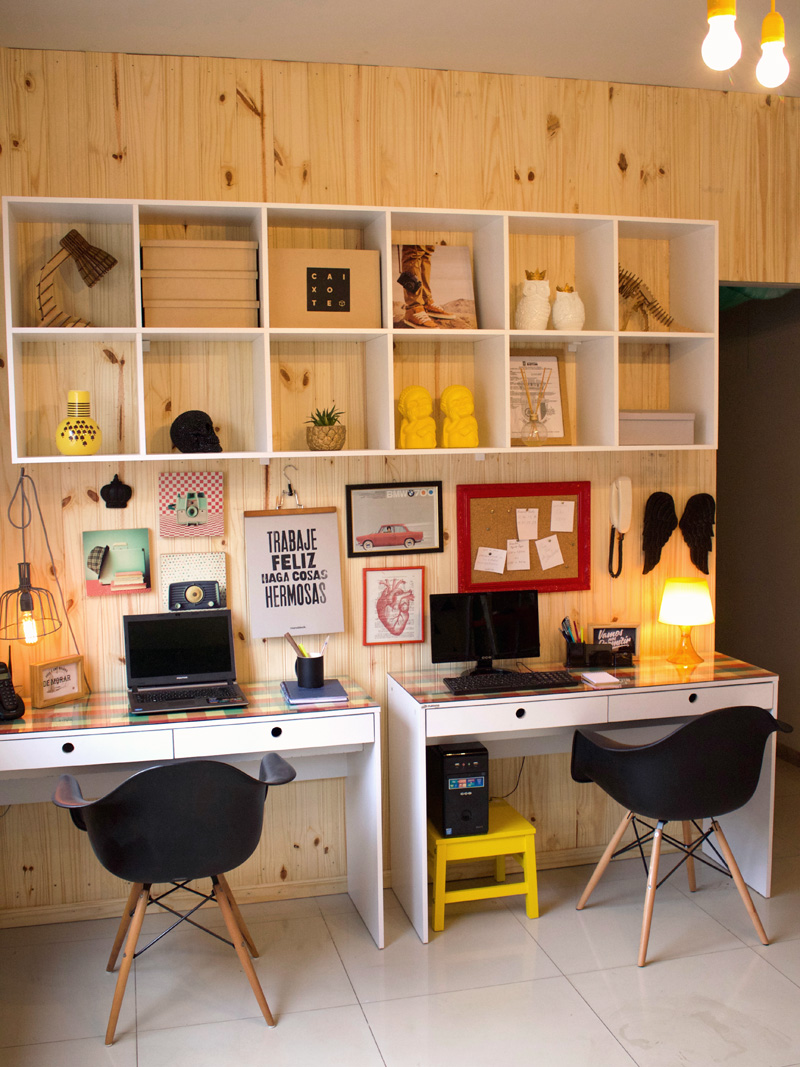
[[568, 312], [533, 309]]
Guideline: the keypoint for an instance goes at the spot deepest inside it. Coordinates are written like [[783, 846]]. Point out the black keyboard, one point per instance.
[[509, 681], [221, 692]]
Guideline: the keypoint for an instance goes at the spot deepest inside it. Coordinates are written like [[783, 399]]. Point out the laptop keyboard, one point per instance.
[[221, 692], [509, 681]]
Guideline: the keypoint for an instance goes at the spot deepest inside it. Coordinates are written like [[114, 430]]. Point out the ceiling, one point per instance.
[[651, 42]]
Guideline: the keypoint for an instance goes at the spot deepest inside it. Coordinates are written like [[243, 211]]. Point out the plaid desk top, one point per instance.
[[103, 710], [427, 687]]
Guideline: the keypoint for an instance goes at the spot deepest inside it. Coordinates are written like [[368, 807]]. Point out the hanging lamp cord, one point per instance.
[[620, 537]]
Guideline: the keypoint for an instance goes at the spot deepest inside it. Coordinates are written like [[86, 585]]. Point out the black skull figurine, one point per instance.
[[193, 431]]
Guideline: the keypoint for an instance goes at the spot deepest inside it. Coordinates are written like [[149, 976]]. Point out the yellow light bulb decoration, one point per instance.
[[773, 67], [721, 47], [78, 434]]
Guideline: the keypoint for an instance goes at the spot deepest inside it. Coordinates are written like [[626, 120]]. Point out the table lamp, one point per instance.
[[686, 602]]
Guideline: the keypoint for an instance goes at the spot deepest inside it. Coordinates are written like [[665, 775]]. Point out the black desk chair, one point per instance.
[[703, 769], [176, 823]]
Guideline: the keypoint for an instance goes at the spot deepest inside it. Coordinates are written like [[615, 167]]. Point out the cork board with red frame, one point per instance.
[[555, 555]]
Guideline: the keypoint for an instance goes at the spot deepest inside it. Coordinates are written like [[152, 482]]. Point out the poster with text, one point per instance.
[[294, 580]]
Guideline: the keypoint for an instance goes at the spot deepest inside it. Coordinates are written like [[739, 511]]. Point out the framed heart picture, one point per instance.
[[393, 605]]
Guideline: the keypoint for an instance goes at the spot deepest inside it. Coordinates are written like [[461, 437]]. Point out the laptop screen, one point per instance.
[[166, 649]]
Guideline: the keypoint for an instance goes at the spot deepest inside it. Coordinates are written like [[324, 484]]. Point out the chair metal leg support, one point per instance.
[[226, 889], [239, 944], [124, 923], [738, 881], [127, 960], [605, 859], [650, 895], [687, 840]]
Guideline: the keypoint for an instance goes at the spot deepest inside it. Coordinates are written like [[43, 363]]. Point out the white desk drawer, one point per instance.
[[79, 749], [515, 716], [670, 703], [276, 735]]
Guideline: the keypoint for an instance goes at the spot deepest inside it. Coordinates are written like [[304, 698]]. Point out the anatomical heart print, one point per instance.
[[393, 605]]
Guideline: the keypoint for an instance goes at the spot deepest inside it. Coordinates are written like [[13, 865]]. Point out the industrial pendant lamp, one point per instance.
[[27, 612], [773, 67], [721, 47]]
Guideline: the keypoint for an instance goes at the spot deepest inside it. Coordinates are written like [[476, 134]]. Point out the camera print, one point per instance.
[[191, 504]]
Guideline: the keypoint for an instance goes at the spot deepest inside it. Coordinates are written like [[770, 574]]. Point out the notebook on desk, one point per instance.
[[182, 662]]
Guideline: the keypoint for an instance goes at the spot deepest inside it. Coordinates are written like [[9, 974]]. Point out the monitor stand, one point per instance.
[[483, 666]]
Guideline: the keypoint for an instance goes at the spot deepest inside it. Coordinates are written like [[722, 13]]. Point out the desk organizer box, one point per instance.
[[656, 428], [200, 283]]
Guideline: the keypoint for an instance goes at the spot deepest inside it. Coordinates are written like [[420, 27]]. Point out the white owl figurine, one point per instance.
[[533, 307]]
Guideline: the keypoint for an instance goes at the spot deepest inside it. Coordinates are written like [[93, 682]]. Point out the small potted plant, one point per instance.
[[325, 433]]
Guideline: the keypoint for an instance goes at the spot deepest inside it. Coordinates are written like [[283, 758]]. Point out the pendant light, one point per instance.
[[721, 47], [773, 67]]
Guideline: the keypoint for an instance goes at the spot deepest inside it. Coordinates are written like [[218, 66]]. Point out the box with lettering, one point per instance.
[[324, 288]]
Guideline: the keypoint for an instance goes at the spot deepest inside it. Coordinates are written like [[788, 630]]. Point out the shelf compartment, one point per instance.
[[573, 251], [483, 234], [35, 228], [677, 261], [480, 365], [45, 371], [671, 374], [350, 375], [224, 378]]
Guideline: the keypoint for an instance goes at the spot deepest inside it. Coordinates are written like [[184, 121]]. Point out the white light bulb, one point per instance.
[[721, 47], [29, 631], [773, 67]]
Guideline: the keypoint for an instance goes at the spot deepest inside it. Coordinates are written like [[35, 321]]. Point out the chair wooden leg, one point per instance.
[[240, 945], [738, 881], [127, 960], [124, 923], [251, 945], [687, 840], [650, 895], [605, 859]]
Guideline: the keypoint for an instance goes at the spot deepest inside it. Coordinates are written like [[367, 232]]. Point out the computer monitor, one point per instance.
[[481, 627]]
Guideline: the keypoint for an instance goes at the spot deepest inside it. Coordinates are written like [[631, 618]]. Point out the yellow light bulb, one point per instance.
[[773, 67], [721, 47], [29, 631]]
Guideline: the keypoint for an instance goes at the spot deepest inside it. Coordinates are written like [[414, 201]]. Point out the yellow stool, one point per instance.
[[509, 835]]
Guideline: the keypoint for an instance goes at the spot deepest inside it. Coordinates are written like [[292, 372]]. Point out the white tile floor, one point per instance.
[[494, 988]]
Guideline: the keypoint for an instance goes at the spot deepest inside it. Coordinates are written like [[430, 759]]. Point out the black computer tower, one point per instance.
[[458, 788]]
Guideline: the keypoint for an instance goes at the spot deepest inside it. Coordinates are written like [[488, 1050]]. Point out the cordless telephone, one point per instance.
[[11, 705]]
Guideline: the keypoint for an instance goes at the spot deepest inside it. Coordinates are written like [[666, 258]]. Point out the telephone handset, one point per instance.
[[620, 507], [11, 705]]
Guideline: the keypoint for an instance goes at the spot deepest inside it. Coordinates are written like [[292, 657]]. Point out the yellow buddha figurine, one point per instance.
[[417, 427], [460, 428]]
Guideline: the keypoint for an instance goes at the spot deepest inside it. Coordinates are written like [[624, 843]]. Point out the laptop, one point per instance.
[[181, 662]]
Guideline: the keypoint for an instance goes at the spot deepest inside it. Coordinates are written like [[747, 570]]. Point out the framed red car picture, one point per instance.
[[391, 518]]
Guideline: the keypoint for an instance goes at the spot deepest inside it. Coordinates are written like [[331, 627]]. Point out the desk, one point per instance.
[[99, 739], [655, 695]]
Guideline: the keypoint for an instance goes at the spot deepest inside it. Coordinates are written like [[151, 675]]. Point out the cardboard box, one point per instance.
[[208, 285], [218, 256], [210, 313], [324, 288], [656, 428]]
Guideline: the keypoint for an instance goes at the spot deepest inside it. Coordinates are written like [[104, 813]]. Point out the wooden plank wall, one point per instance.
[[97, 125]]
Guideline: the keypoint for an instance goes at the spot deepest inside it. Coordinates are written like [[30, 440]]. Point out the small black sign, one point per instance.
[[328, 288]]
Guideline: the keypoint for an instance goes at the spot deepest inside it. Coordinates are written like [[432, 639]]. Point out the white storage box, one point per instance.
[[656, 428]]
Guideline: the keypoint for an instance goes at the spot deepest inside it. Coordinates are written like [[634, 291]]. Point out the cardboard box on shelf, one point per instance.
[[242, 314], [656, 428], [324, 288], [209, 285], [199, 255]]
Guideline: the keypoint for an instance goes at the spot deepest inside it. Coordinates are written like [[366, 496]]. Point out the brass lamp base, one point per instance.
[[685, 655]]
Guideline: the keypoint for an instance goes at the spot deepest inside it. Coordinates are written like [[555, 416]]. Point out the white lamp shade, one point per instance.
[[686, 602]]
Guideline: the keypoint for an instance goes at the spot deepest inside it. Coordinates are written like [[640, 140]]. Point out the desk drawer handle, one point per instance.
[[68, 747], [520, 713], [692, 698], [276, 731]]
